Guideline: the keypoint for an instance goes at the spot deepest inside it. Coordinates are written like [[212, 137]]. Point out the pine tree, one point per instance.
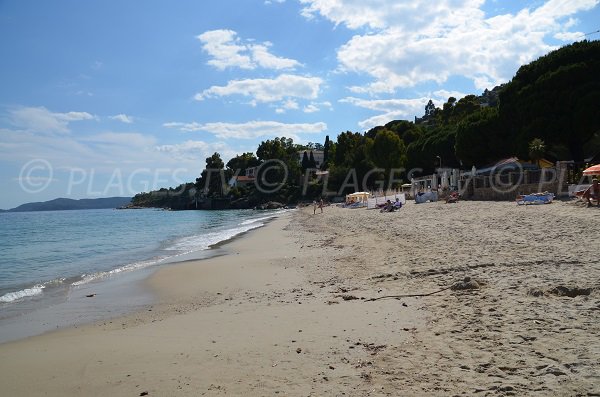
[[305, 162], [326, 147], [311, 160]]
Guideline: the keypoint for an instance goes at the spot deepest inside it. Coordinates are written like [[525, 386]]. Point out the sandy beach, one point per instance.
[[306, 306]]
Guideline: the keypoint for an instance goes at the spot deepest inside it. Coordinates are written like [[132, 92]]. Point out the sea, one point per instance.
[[60, 268]]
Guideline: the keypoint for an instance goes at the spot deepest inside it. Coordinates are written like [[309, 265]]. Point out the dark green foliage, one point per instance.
[[556, 99], [180, 198], [240, 163], [305, 161], [438, 138], [537, 149], [482, 139], [213, 179], [326, 153], [438, 141], [311, 160], [549, 108]]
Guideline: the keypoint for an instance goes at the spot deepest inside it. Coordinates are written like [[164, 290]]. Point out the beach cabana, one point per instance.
[[357, 197]]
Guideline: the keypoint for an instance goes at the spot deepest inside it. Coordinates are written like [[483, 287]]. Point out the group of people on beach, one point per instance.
[[391, 207]]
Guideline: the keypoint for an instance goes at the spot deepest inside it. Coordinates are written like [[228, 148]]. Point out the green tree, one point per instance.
[[326, 150], [482, 139], [280, 171], [212, 179], [347, 147], [311, 160], [305, 162], [537, 149], [240, 163], [435, 141], [388, 150], [555, 98]]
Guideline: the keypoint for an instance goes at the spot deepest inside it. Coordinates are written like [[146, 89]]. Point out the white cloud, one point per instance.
[[121, 139], [186, 127], [569, 36], [264, 59], [267, 90], [287, 105], [439, 97], [100, 152], [194, 150], [418, 41], [392, 109], [316, 107], [395, 109], [227, 50], [310, 108], [122, 118], [105, 164], [252, 129], [40, 119]]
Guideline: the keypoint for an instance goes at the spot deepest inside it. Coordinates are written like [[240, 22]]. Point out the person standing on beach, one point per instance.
[[593, 192], [321, 205], [314, 207]]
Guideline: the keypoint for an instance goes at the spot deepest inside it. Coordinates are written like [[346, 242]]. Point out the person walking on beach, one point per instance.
[[321, 205], [314, 207]]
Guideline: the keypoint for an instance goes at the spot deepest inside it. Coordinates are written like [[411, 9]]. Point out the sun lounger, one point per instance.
[[535, 198]]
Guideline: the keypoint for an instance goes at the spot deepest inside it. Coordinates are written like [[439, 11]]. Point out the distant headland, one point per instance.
[[64, 204]]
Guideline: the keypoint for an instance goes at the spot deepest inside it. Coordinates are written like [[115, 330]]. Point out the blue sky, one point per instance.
[[107, 98]]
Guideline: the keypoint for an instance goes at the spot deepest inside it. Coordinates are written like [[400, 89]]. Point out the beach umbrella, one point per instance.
[[593, 170]]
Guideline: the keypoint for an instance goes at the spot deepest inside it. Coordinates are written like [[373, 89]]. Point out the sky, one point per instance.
[[104, 98]]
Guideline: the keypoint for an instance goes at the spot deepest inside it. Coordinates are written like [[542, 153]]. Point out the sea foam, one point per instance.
[[24, 293]]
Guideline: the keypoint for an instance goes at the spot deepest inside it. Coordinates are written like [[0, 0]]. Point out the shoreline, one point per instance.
[[287, 311], [102, 299], [253, 312]]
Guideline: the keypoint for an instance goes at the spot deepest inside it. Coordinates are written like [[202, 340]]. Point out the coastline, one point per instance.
[[108, 292], [286, 311], [250, 311]]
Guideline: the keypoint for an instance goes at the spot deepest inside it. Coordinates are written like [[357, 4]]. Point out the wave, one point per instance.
[[24, 293], [205, 241], [180, 247], [255, 220], [183, 246], [87, 278]]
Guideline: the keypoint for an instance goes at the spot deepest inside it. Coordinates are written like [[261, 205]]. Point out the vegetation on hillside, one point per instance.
[[550, 108]]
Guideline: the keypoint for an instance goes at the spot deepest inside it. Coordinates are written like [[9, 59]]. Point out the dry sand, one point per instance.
[[287, 312]]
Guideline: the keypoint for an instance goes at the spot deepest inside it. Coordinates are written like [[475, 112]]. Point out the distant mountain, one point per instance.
[[61, 204]]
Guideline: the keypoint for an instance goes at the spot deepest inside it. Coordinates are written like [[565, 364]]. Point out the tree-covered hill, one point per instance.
[[549, 109]]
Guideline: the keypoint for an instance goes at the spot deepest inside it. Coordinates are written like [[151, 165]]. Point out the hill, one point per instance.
[[63, 204]]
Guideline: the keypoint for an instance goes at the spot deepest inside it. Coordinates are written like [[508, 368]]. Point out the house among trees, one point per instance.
[[243, 180]]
